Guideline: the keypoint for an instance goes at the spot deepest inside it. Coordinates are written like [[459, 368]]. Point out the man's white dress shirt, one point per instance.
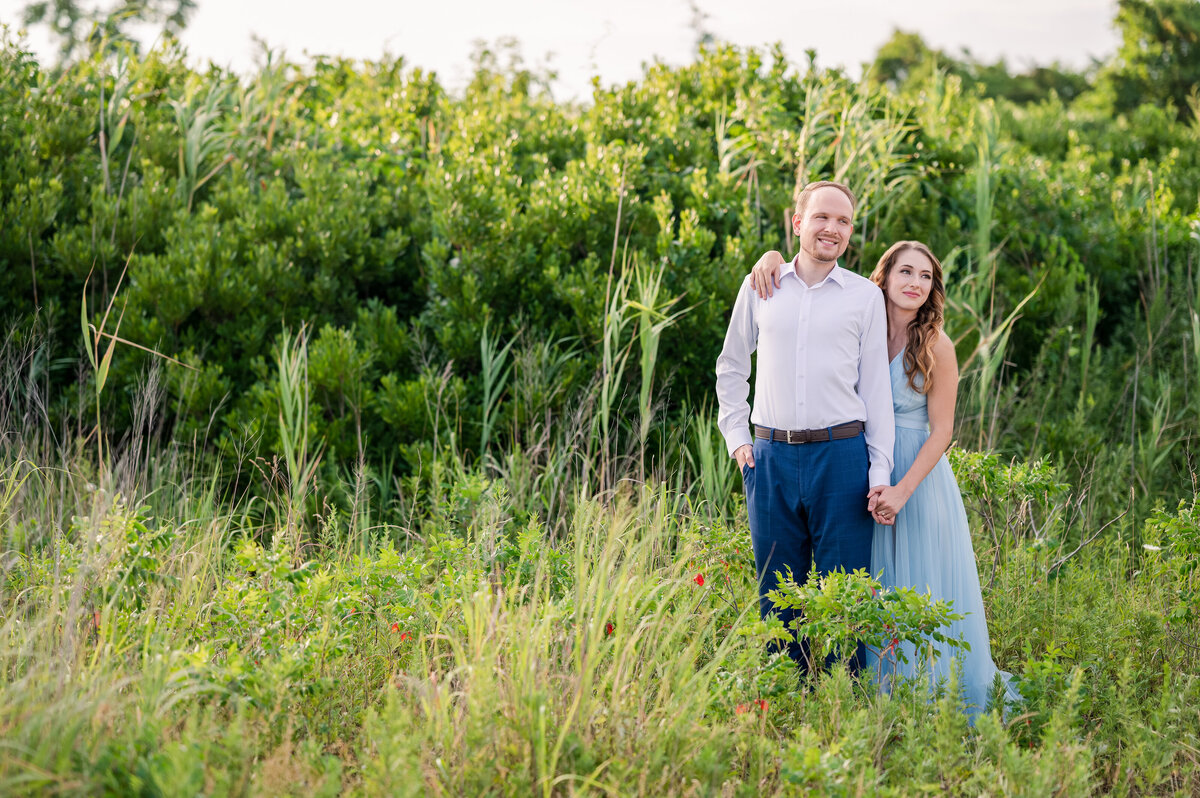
[[822, 361]]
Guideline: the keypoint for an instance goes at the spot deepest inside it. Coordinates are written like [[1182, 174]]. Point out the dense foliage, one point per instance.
[[399, 223], [383, 454]]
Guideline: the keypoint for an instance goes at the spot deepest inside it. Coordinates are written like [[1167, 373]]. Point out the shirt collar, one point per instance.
[[838, 275]]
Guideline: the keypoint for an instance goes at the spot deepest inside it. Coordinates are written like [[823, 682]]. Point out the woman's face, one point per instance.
[[910, 280]]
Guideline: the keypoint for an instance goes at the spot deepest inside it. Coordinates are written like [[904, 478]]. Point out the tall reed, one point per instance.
[[615, 355], [494, 364], [654, 317], [199, 115], [301, 460]]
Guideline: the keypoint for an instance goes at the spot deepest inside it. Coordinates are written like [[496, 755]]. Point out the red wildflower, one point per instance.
[[405, 636], [762, 704], [741, 709], [699, 579], [608, 628], [395, 627]]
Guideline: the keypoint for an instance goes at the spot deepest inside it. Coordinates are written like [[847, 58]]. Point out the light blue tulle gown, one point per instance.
[[929, 549]]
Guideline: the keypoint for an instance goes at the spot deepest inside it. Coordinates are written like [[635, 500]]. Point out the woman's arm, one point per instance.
[[943, 390], [764, 277]]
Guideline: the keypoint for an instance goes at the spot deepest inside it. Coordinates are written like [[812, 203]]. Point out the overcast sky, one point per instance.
[[613, 38]]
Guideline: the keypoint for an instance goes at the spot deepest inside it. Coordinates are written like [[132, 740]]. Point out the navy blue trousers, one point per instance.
[[808, 504]]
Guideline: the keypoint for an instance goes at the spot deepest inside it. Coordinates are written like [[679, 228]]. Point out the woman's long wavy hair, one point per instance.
[[923, 330]]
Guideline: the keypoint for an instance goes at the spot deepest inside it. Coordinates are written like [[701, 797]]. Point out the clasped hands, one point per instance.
[[883, 501]]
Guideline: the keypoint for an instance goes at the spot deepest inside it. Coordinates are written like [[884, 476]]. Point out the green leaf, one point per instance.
[[87, 328], [102, 372], [89, 343]]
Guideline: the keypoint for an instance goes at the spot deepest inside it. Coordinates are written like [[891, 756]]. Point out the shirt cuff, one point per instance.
[[738, 438], [879, 475]]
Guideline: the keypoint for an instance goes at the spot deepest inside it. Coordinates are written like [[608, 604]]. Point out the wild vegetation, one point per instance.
[[358, 435]]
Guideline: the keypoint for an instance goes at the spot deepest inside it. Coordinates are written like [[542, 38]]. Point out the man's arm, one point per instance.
[[733, 371], [875, 388]]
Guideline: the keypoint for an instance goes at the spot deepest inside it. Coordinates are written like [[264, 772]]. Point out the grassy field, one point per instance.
[[164, 634]]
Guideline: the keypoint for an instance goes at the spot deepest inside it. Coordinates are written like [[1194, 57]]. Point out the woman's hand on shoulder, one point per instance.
[[764, 277]]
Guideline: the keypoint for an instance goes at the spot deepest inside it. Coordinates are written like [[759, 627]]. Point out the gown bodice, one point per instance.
[[910, 407]]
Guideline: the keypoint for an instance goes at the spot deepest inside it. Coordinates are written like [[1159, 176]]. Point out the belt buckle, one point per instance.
[[800, 438]]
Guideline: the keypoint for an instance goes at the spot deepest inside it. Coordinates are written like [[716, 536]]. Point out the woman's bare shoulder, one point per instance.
[[943, 350]]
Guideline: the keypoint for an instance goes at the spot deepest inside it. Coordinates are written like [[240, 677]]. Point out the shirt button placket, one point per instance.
[[802, 352], [801, 394]]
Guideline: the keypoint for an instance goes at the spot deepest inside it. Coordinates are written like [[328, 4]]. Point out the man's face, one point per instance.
[[825, 226]]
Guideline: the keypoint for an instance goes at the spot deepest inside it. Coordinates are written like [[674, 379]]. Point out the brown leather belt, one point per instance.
[[840, 432]]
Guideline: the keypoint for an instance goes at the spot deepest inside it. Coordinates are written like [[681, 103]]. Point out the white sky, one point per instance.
[[613, 38]]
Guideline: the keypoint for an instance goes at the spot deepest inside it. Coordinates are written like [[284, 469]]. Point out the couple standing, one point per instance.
[[853, 410]]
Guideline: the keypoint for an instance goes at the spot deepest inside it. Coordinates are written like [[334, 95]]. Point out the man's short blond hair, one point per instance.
[[806, 192]]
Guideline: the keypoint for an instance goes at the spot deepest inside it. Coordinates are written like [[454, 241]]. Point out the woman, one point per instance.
[[921, 535]]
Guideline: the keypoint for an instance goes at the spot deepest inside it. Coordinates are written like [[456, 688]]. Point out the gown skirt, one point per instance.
[[929, 549]]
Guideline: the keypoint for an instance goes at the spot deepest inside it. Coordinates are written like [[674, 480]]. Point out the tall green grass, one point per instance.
[[162, 636]]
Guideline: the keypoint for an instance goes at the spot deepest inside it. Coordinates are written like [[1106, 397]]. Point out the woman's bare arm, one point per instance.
[[764, 277], [943, 391]]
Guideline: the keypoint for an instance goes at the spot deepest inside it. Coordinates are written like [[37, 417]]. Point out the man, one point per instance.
[[823, 426]]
